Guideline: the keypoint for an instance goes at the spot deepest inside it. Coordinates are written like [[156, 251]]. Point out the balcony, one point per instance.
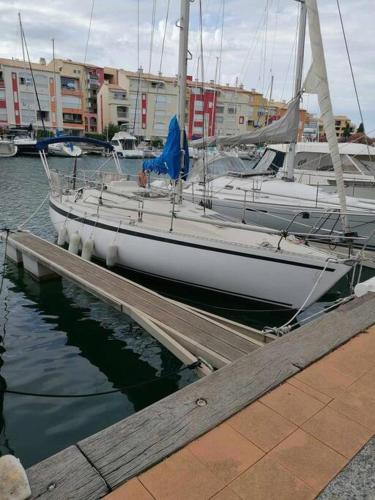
[[117, 96]]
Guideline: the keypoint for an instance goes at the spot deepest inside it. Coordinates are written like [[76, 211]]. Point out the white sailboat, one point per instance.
[[282, 203], [156, 232]]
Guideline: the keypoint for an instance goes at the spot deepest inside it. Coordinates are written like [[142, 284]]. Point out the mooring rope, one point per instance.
[[103, 393]]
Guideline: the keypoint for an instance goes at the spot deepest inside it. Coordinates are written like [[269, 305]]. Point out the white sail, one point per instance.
[[283, 130], [317, 83]]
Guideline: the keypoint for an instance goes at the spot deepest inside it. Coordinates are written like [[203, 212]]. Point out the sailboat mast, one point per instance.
[[182, 74], [291, 159]]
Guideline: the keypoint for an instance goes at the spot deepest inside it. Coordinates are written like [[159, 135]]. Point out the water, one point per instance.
[[56, 338]]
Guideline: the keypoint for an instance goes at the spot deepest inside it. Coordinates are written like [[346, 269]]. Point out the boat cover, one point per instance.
[[169, 161]]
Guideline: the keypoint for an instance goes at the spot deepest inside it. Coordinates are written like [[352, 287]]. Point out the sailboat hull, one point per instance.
[[261, 274]]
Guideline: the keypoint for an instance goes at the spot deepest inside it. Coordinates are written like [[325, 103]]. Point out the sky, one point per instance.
[[258, 40]]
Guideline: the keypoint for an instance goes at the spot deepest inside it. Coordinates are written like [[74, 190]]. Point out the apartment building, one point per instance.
[[140, 103], [18, 102], [223, 110], [80, 84]]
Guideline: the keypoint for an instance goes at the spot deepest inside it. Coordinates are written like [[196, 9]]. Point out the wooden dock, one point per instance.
[[100, 463], [187, 332]]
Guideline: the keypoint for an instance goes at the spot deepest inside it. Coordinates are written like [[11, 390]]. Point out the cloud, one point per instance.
[[256, 41]]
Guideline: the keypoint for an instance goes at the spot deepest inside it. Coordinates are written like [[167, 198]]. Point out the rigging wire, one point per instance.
[[161, 61], [352, 73], [32, 72], [152, 34], [293, 51], [139, 68], [89, 31], [204, 158], [221, 43]]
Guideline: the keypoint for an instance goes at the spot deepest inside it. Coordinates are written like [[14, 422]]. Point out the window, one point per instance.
[[72, 118], [219, 119], [25, 79], [219, 109], [69, 83], [119, 96], [3, 115], [198, 105], [71, 101], [41, 81], [2, 95], [231, 110], [28, 116], [42, 115]]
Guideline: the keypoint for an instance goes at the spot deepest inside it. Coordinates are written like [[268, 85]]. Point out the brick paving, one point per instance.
[[290, 443]]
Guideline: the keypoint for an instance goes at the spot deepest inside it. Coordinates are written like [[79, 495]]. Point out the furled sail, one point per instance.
[[282, 130], [317, 83], [169, 161]]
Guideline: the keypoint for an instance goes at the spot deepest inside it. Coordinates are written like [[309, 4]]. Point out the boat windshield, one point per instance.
[[219, 165]]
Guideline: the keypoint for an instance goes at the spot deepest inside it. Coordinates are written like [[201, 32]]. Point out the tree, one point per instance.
[[346, 131], [360, 129], [110, 130]]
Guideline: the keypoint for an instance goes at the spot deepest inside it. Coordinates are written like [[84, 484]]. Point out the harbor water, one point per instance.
[[57, 339]]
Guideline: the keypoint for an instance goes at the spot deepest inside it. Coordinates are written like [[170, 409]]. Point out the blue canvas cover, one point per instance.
[[169, 161]]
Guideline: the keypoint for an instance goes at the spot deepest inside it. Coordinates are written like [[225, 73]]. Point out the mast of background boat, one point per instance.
[[291, 158], [24, 62], [54, 79], [182, 74]]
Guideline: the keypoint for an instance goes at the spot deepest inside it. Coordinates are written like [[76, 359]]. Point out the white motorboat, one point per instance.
[[125, 146], [65, 149], [7, 148]]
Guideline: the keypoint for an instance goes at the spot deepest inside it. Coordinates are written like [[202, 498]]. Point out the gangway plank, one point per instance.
[[186, 331]]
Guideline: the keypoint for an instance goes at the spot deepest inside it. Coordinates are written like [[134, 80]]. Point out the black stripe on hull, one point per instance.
[[184, 243]]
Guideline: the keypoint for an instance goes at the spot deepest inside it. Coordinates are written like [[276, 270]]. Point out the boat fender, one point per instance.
[[87, 249], [74, 243], [111, 258], [14, 484], [62, 237], [142, 179]]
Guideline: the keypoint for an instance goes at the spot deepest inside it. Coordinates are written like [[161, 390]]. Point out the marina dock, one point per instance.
[[95, 466], [190, 334]]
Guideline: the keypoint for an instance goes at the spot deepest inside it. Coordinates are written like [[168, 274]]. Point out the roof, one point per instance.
[[114, 86], [17, 63]]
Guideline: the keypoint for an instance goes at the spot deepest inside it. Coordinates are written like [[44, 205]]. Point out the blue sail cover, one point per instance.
[[169, 161]]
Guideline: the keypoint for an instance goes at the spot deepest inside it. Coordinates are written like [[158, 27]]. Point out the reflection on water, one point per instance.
[[56, 338]]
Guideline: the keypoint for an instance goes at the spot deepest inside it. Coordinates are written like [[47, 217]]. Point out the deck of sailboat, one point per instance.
[[120, 208]]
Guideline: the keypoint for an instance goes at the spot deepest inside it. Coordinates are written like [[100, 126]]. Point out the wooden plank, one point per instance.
[[117, 290], [128, 447], [66, 475], [131, 446]]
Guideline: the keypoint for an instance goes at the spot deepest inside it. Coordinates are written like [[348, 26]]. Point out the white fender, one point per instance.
[[62, 237], [74, 242], [14, 484], [87, 249], [112, 254]]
